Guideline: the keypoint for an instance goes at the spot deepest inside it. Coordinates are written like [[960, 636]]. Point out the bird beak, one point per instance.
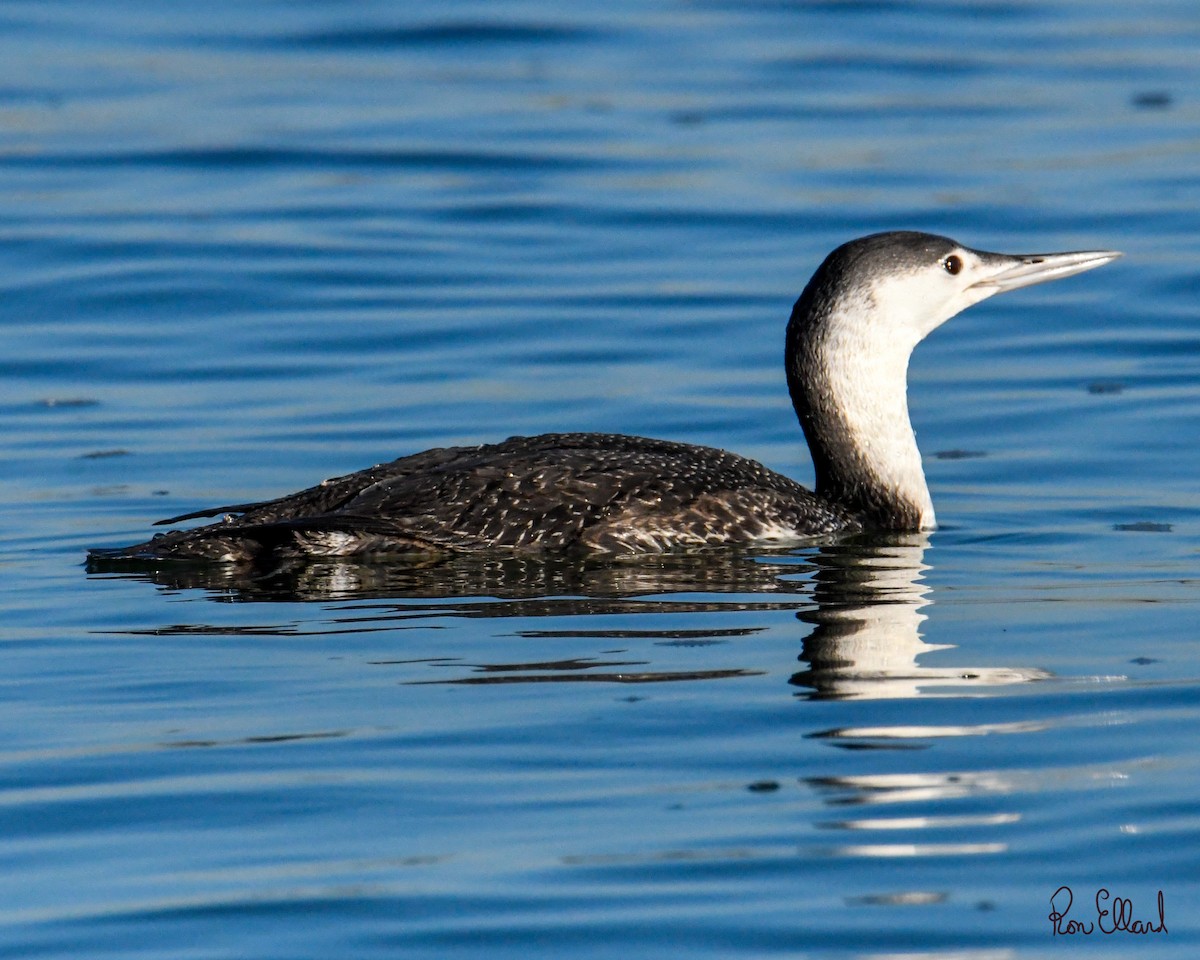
[[1014, 272]]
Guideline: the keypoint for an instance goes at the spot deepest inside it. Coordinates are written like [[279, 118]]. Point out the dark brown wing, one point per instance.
[[598, 492]]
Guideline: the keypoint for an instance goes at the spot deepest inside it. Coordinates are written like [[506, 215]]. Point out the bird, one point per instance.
[[846, 351]]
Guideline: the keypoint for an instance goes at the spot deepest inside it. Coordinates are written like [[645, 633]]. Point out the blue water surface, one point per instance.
[[249, 246]]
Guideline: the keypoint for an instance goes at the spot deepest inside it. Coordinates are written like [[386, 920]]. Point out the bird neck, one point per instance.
[[849, 384]]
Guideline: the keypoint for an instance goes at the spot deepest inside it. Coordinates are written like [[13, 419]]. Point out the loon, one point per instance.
[[847, 349]]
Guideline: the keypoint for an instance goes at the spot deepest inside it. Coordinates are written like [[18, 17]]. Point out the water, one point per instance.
[[253, 245]]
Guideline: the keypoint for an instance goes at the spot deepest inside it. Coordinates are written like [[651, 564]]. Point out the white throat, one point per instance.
[[849, 340], [865, 373]]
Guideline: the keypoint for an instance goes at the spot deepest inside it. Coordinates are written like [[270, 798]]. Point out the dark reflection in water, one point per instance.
[[865, 598], [569, 585]]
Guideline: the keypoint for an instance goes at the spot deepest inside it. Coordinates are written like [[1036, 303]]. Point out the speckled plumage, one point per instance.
[[847, 349], [602, 493]]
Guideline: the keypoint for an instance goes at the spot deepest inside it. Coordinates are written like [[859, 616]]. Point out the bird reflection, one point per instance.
[[864, 597], [866, 638], [523, 585]]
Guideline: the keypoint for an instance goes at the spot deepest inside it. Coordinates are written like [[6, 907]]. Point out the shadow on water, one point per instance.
[[864, 597]]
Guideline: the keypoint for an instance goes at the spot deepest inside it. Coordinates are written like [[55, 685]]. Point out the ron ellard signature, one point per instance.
[[1113, 915]]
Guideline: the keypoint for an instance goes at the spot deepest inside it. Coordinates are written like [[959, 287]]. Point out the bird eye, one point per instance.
[[953, 265]]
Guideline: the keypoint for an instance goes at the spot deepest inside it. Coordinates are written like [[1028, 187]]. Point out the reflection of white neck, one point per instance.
[[868, 637]]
